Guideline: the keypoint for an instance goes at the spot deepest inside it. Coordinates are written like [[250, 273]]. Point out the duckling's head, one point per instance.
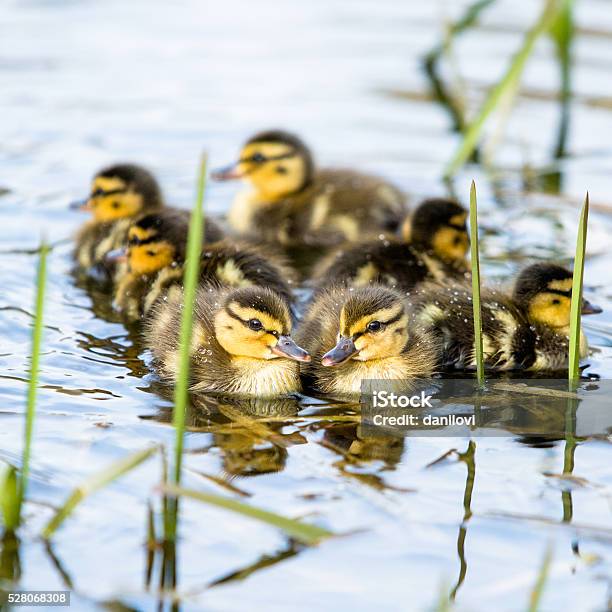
[[373, 325], [439, 226], [255, 322], [545, 291], [121, 191], [276, 163], [156, 241]]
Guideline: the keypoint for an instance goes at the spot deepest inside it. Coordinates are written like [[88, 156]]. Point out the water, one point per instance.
[[89, 83]]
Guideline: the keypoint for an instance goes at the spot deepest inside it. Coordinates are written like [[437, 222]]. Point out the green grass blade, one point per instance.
[[576, 307], [538, 589], [476, 286], [514, 72], [190, 282], [9, 497], [303, 532], [37, 332], [95, 483]]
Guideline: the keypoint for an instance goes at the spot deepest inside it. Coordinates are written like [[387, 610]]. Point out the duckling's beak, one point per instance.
[[79, 205], [116, 256], [588, 308], [343, 351], [286, 347], [228, 173]]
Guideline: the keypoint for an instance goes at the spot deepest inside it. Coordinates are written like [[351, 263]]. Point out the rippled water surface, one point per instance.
[[86, 83]]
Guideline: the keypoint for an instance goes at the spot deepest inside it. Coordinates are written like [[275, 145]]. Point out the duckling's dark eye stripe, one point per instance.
[[567, 293], [262, 159], [383, 324], [462, 227], [232, 314], [98, 193], [139, 241], [395, 319]]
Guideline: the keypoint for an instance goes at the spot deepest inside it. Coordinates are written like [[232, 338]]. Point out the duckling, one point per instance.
[[528, 330], [433, 247], [241, 342], [369, 328], [154, 254], [291, 202], [119, 193]]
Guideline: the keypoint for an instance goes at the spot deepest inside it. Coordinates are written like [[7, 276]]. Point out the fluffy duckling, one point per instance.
[[369, 328], [289, 201], [526, 331], [433, 247], [119, 193], [154, 258], [241, 342]]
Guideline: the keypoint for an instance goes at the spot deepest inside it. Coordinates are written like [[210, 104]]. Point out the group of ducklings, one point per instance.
[[391, 297]]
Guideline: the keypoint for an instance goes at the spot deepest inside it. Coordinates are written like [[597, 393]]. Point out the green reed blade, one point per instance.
[[514, 71], [190, 282], [430, 63], [96, 482], [538, 588], [9, 497], [303, 532], [562, 34], [476, 286], [37, 332], [576, 306]]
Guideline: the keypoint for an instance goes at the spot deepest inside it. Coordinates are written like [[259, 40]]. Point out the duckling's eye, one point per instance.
[[255, 324], [281, 170], [456, 240], [115, 204], [556, 301], [258, 158], [374, 326], [151, 253]]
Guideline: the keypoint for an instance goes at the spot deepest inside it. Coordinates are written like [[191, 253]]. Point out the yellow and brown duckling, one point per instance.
[[289, 201], [119, 193], [155, 256], [241, 342], [528, 330], [433, 248], [363, 334]]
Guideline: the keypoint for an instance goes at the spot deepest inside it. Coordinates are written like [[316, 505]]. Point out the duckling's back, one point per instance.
[[338, 205], [510, 341], [385, 261]]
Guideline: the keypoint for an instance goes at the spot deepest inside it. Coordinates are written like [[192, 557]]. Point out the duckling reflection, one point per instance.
[[119, 193], [289, 202], [532, 409], [355, 445], [433, 248], [250, 437]]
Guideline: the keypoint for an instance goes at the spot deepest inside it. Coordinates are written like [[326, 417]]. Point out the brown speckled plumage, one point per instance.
[[396, 263]]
